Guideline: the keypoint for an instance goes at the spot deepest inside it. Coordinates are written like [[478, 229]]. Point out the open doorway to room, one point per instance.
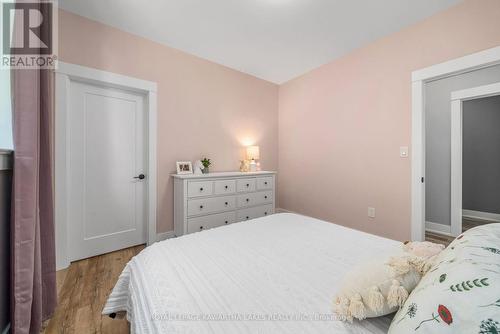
[[481, 162], [448, 105], [436, 207], [475, 157]]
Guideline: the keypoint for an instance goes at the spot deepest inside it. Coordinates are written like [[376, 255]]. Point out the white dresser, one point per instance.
[[210, 200]]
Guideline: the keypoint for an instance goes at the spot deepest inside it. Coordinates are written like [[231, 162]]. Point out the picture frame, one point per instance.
[[184, 167]]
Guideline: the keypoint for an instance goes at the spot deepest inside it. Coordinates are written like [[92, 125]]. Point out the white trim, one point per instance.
[[468, 63], [485, 58], [152, 199], [64, 75], [438, 228], [476, 92], [281, 210], [418, 164], [456, 168], [92, 75], [61, 158], [481, 215], [165, 235], [457, 99]]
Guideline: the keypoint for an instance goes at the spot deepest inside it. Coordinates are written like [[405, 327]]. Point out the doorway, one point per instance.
[[475, 157], [420, 79], [105, 162]]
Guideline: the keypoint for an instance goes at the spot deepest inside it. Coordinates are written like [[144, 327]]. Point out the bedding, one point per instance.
[[276, 274]]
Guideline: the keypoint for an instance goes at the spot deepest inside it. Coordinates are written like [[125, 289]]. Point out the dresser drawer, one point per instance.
[[243, 185], [256, 212], [210, 221], [224, 187], [210, 205], [264, 183], [200, 188], [252, 199]]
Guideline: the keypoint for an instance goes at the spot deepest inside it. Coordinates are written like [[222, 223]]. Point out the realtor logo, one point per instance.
[[28, 34]]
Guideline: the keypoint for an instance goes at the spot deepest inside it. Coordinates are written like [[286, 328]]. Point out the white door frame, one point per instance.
[[457, 99], [64, 75], [465, 64]]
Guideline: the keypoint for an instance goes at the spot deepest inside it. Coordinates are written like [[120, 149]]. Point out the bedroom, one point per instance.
[[327, 110]]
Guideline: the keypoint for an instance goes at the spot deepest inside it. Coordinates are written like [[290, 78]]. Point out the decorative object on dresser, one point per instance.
[[211, 200], [198, 167], [253, 154], [244, 166], [184, 167], [206, 165]]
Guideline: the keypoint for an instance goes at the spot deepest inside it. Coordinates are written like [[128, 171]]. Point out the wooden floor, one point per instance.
[[83, 289], [445, 239]]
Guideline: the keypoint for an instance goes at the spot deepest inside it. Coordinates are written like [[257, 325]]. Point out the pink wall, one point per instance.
[[341, 125], [203, 108]]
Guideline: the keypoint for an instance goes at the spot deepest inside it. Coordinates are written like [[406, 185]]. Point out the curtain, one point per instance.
[[33, 281]]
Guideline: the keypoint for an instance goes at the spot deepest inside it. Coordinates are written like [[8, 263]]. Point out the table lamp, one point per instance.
[[253, 154]]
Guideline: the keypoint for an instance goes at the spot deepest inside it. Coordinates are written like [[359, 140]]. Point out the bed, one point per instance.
[[276, 274]]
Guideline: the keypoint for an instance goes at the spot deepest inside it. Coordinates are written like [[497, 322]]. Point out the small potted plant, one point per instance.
[[206, 164]]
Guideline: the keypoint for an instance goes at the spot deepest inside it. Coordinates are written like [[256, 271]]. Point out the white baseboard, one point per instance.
[[438, 228], [481, 215], [280, 210], [165, 235]]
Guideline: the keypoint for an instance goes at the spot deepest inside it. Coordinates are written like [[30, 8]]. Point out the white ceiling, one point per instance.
[[275, 40]]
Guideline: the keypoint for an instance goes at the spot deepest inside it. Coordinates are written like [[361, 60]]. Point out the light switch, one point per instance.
[[371, 212], [403, 151]]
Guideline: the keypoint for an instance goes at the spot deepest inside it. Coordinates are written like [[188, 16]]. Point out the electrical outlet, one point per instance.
[[403, 151], [371, 212]]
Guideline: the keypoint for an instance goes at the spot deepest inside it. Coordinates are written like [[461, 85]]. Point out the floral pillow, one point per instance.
[[461, 292]]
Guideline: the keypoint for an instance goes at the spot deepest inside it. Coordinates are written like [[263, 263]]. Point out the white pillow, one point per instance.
[[380, 287], [373, 289], [461, 292]]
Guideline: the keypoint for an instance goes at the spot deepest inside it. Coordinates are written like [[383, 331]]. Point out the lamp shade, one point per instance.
[[253, 153]]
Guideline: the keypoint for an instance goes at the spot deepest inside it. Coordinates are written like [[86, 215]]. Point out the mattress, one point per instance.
[[276, 274]]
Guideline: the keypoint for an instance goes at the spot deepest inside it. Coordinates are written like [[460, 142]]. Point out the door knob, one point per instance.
[[140, 177]]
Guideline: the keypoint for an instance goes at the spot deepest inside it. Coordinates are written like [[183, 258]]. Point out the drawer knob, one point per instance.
[[201, 227], [248, 185], [265, 183], [201, 189], [226, 187], [265, 197], [201, 206], [226, 203], [248, 217], [248, 199], [226, 221], [265, 213]]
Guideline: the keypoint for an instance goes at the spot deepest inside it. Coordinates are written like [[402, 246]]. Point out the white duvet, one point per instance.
[[276, 274]]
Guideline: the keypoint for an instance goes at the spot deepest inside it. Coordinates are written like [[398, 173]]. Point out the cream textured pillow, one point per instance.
[[380, 287]]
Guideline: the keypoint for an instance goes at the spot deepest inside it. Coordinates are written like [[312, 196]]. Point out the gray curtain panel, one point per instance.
[[33, 280]]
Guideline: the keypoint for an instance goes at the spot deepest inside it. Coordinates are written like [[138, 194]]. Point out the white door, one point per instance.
[[106, 197]]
